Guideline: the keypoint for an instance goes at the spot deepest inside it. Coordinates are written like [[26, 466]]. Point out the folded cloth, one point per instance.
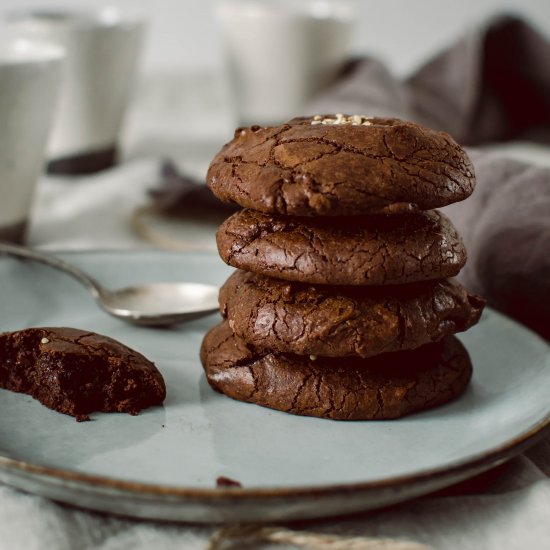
[[505, 225], [492, 85], [179, 194]]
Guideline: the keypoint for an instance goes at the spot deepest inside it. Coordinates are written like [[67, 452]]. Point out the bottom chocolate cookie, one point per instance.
[[387, 386]]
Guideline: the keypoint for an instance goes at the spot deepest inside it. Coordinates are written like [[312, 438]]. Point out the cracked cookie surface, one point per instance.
[[363, 250], [77, 372], [383, 387], [303, 319], [307, 169]]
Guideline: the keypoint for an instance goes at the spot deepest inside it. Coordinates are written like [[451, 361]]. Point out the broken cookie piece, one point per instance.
[[78, 372]]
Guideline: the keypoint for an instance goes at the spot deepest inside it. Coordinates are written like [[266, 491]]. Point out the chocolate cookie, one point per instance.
[[341, 165], [382, 387], [77, 372], [363, 250], [284, 317]]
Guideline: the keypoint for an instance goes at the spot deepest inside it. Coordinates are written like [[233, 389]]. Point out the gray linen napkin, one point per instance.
[[505, 225], [492, 85]]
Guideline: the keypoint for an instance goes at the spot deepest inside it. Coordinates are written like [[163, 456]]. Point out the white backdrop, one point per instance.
[[182, 33]]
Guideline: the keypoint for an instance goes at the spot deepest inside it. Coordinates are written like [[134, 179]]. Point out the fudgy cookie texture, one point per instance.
[[286, 317], [383, 387], [365, 250], [77, 372], [331, 166]]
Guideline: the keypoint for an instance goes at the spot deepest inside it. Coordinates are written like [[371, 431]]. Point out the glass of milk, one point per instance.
[[278, 53], [30, 81], [103, 48]]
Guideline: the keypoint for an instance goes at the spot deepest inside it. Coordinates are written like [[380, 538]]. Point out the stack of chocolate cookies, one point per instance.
[[342, 306]]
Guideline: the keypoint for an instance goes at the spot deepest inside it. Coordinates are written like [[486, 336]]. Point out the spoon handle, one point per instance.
[[30, 254]]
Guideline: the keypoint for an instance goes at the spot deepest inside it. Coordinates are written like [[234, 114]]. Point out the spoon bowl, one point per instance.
[[153, 304], [161, 304]]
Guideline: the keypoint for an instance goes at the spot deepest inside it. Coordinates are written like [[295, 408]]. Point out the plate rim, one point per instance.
[[477, 462], [493, 457]]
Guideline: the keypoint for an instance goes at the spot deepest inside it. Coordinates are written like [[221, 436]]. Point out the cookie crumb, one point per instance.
[[223, 481], [44, 341]]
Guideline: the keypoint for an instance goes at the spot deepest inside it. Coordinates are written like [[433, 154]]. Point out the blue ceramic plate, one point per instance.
[[164, 463]]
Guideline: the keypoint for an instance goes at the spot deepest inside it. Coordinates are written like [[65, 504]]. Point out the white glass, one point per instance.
[[279, 53], [30, 78], [102, 53]]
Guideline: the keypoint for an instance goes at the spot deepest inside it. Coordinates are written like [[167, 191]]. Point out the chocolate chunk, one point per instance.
[[223, 481]]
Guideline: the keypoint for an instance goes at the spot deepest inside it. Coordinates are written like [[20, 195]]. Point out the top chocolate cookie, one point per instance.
[[338, 165]]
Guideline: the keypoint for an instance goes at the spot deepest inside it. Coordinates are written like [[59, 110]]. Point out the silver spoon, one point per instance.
[[155, 304]]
